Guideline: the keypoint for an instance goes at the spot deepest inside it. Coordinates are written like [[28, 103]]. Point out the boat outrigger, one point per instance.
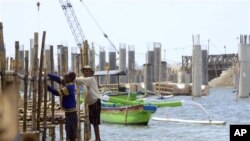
[[124, 108]]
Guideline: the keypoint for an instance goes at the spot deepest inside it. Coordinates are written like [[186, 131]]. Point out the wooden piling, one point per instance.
[[61, 131], [64, 60], [87, 127], [40, 80], [7, 63], [52, 133], [45, 106], [52, 84], [16, 82], [25, 89], [2, 57], [35, 69], [78, 99]]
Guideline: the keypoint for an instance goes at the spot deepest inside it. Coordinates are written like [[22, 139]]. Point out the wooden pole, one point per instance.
[[61, 131], [52, 83], [34, 94], [25, 89], [59, 67], [16, 82], [2, 56], [7, 63], [40, 81], [45, 106], [78, 103], [87, 127]]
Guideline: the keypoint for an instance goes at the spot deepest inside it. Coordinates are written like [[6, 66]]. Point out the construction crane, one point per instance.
[[73, 22], [75, 26]]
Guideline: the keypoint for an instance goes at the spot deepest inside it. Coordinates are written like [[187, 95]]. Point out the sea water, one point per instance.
[[221, 103]]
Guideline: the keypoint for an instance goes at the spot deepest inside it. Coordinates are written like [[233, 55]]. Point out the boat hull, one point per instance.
[[134, 115], [150, 108]]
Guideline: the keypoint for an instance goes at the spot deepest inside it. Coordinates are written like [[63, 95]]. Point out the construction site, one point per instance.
[[33, 113]]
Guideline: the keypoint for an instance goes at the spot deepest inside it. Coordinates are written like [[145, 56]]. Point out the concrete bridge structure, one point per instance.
[[215, 64]]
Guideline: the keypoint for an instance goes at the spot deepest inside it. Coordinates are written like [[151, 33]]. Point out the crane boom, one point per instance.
[[73, 22]]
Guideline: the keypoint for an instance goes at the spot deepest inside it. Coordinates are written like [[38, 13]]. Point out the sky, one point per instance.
[[133, 22]]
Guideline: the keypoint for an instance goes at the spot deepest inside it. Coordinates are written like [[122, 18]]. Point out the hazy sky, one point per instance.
[[134, 22]]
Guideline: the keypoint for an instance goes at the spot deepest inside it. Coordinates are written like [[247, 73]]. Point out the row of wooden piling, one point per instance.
[[34, 82]]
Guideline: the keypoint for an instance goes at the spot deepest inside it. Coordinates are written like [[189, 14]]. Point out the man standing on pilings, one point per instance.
[[92, 98]]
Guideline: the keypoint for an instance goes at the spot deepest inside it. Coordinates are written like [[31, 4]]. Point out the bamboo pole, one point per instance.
[[40, 81], [45, 106], [11, 63], [2, 56], [87, 127], [64, 59], [1, 87], [34, 94], [78, 104], [61, 131], [52, 133], [52, 83], [7, 63], [16, 78], [25, 89]]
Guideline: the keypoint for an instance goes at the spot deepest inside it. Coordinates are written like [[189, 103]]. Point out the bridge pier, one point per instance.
[[244, 59], [196, 67]]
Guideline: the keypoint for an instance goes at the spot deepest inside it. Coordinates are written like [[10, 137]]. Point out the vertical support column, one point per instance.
[[244, 59], [40, 82], [87, 128], [11, 63], [148, 77], [74, 62], [26, 74], [122, 61], [163, 71], [138, 76], [236, 76], [31, 60], [21, 66], [92, 57], [112, 66], [150, 60], [102, 63], [181, 76], [196, 67], [31, 52], [35, 72], [2, 57], [16, 81], [21, 60], [131, 63], [59, 59], [204, 67], [7, 63], [52, 85], [64, 61], [47, 59], [157, 61]]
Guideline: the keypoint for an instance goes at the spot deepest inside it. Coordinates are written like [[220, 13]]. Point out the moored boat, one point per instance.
[[135, 115]]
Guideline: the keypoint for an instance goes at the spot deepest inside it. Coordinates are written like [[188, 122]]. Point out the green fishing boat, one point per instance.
[[132, 115]]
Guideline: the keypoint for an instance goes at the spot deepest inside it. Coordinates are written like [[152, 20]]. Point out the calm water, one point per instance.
[[221, 103]]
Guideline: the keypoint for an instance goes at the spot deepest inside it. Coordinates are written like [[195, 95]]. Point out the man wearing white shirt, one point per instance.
[[92, 98]]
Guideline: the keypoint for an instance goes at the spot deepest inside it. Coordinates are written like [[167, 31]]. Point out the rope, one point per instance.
[[98, 25]]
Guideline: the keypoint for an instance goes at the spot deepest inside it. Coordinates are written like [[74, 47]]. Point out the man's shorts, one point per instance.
[[94, 113]]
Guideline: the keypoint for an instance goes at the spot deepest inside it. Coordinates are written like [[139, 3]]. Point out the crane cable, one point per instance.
[[100, 28], [38, 8]]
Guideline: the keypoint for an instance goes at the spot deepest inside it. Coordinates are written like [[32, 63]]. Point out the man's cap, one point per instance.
[[87, 67]]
